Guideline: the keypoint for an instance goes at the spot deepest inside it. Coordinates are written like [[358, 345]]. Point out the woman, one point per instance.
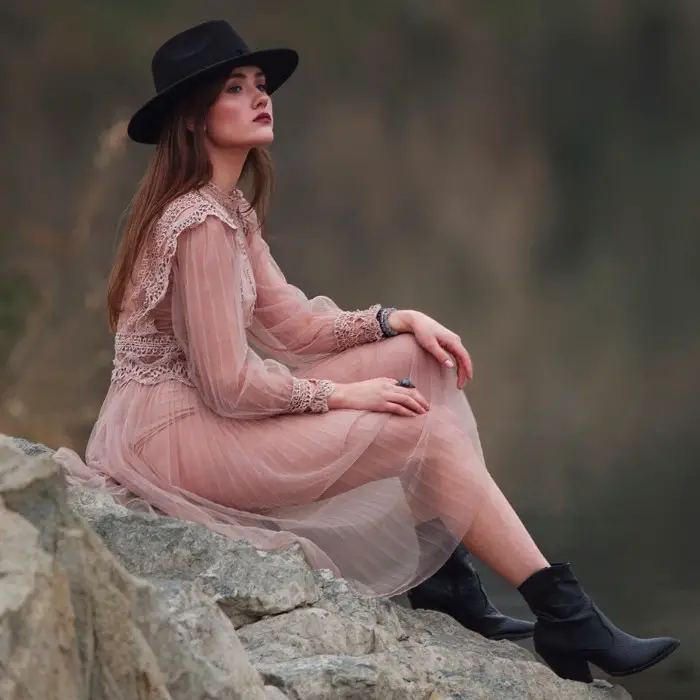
[[367, 454]]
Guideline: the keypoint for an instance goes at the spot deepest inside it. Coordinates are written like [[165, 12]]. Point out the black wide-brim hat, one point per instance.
[[192, 56]]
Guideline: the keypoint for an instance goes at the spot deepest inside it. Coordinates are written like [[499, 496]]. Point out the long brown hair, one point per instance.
[[179, 164]]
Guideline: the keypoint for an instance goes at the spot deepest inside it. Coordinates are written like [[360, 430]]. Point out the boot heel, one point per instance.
[[569, 621], [568, 666]]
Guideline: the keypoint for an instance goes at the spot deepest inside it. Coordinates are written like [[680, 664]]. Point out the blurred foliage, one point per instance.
[[17, 296]]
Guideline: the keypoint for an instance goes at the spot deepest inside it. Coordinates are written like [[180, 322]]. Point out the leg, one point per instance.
[[456, 590], [438, 461], [452, 480], [570, 632], [499, 539]]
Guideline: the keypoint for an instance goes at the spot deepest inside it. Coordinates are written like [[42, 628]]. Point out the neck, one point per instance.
[[227, 166]]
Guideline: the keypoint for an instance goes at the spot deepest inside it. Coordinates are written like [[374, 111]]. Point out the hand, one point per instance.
[[437, 340], [383, 395]]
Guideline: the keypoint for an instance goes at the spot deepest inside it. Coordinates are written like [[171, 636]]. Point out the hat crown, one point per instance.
[[194, 49], [198, 54]]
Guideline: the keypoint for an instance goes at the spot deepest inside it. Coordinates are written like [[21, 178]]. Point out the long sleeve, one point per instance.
[[293, 328], [209, 323]]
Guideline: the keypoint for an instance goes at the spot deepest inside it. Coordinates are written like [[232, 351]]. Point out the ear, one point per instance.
[[190, 124]]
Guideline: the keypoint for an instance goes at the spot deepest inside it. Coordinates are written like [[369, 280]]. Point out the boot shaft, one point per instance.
[[571, 631], [554, 592]]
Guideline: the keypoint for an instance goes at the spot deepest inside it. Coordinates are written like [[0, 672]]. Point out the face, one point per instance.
[[241, 117]]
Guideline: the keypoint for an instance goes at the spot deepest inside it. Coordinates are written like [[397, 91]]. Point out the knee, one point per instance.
[[436, 432], [405, 353], [444, 426], [404, 344]]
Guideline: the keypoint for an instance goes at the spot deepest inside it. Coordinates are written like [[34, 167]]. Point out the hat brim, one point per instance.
[[146, 124]]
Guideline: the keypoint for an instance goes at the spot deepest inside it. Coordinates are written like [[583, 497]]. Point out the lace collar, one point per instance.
[[231, 201]]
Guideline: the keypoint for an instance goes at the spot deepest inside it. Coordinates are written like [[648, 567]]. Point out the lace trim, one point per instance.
[[310, 395], [142, 353], [319, 403], [150, 375], [158, 257], [231, 201], [353, 328], [148, 359], [248, 278], [302, 395], [234, 204], [143, 344]]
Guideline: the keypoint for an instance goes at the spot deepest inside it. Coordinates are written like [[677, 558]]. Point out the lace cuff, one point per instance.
[[353, 328], [310, 395]]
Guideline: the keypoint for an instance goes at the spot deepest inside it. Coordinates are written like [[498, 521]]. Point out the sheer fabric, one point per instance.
[[217, 411]]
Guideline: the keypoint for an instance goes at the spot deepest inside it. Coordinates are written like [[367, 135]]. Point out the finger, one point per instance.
[[413, 393], [405, 399], [464, 362], [462, 371], [398, 409], [420, 398], [440, 354]]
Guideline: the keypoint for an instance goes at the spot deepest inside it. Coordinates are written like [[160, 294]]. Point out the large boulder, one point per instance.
[[76, 625], [176, 611]]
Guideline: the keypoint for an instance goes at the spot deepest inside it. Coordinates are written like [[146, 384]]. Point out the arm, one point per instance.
[[294, 329], [208, 321]]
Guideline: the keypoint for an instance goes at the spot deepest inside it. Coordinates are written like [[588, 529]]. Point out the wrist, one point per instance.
[[401, 321], [338, 397]]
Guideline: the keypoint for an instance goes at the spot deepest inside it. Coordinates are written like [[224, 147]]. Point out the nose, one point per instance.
[[262, 100]]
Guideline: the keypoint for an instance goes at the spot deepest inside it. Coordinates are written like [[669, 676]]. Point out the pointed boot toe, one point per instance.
[[483, 618], [457, 591], [499, 626], [571, 632], [634, 655]]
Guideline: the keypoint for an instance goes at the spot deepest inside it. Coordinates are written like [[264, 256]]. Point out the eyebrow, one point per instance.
[[259, 74]]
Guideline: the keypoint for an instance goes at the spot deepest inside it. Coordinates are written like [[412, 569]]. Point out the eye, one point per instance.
[[262, 87], [234, 89]]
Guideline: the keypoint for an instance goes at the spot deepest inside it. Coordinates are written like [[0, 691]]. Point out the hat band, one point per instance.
[[177, 70]]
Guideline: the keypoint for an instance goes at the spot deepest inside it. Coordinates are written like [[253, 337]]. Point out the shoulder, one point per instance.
[[188, 211]]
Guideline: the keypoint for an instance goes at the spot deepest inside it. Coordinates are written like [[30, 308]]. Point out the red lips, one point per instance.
[[263, 117]]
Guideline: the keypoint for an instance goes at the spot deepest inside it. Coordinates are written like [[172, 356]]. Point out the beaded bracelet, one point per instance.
[[383, 319]]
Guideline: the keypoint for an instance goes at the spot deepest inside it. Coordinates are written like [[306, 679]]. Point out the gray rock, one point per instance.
[[431, 628], [28, 448], [415, 671], [38, 649], [341, 623], [209, 636], [74, 625], [248, 584], [379, 615], [302, 634]]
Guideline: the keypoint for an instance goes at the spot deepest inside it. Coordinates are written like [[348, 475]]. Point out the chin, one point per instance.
[[263, 136], [261, 142]]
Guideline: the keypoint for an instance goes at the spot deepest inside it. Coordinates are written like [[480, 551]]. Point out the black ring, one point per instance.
[[406, 383]]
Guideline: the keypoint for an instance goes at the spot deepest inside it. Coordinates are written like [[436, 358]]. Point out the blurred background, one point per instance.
[[525, 172]]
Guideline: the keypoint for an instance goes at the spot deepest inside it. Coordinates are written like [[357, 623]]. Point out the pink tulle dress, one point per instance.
[[217, 411]]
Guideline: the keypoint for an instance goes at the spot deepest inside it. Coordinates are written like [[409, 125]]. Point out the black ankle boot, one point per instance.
[[456, 590], [572, 632]]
